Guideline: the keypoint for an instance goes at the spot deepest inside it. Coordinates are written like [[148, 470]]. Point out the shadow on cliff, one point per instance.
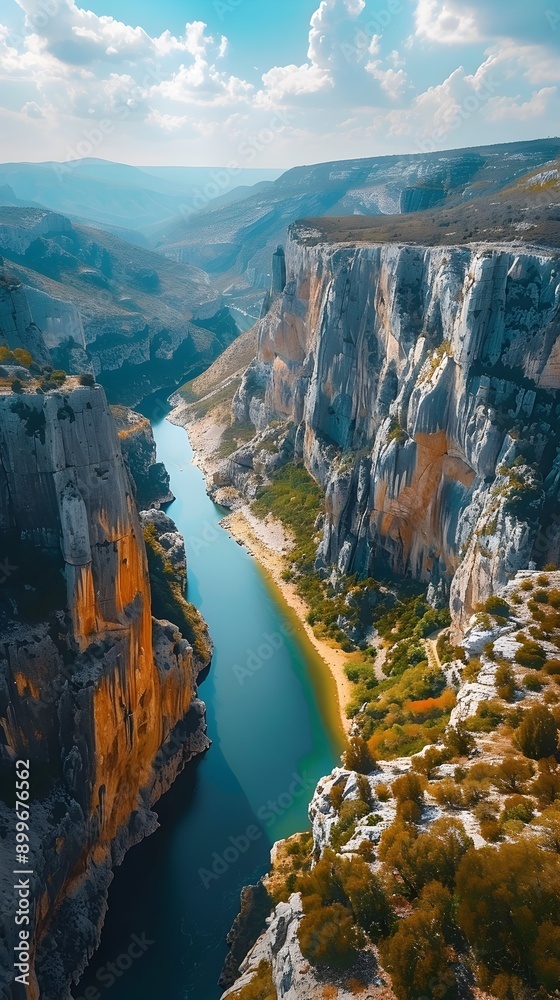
[[180, 888]]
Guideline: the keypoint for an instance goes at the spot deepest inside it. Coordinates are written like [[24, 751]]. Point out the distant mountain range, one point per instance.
[[234, 242], [115, 195], [138, 317]]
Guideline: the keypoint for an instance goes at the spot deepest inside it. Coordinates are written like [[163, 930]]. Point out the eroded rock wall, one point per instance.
[[97, 694], [415, 380]]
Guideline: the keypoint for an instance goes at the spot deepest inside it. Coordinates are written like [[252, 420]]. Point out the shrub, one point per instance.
[[489, 715], [526, 585], [507, 898], [458, 741], [497, 607], [23, 357], [505, 682], [87, 380], [383, 792], [409, 788], [546, 787], [358, 757], [328, 936], [531, 654], [533, 682], [17, 386], [541, 596], [447, 793], [261, 986], [350, 812], [537, 736], [518, 807], [420, 859], [552, 668], [491, 830], [512, 774], [417, 955]]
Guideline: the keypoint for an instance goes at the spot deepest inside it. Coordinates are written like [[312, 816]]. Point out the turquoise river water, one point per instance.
[[272, 719]]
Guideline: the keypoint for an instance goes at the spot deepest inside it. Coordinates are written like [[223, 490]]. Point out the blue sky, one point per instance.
[[254, 83]]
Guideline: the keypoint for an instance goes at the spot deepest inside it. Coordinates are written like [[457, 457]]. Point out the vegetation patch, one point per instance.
[[168, 600]]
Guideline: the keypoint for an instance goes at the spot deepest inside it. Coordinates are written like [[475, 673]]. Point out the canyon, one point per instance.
[[408, 367]]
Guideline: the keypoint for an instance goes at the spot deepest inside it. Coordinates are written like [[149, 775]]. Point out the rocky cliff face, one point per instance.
[[99, 696], [420, 386], [139, 449]]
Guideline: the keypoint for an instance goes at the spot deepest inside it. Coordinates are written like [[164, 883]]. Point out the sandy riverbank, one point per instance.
[[268, 543]]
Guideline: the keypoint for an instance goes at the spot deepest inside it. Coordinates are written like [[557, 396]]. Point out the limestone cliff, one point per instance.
[[139, 449], [97, 694], [420, 386]]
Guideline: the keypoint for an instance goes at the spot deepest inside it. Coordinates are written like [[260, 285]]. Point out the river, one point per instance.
[[272, 717]]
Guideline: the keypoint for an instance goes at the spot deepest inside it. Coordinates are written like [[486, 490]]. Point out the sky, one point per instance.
[[256, 83]]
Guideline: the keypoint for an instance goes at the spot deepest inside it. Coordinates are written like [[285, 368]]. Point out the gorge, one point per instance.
[[396, 414]]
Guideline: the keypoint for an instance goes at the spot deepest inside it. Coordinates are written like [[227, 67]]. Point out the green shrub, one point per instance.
[[505, 682], [350, 812], [533, 682], [537, 736], [531, 654], [517, 807], [497, 607]]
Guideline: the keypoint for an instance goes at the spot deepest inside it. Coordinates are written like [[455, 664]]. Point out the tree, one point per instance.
[[506, 898], [87, 379], [537, 736], [417, 955], [17, 386]]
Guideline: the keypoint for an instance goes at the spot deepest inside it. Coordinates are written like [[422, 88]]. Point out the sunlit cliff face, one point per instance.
[[411, 377], [90, 700]]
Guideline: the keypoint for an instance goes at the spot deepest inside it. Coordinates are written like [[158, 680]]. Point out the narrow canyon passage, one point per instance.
[[273, 719]]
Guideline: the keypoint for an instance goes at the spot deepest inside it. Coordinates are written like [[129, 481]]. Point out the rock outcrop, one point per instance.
[[420, 386], [139, 449], [97, 694]]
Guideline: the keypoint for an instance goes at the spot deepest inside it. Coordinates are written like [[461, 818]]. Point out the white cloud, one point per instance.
[[32, 110], [446, 23], [333, 54], [512, 109]]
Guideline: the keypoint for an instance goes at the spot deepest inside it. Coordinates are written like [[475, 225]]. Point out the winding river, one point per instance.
[[273, 721]]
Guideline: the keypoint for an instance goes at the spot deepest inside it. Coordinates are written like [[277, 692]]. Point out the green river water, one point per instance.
[[272, 717]]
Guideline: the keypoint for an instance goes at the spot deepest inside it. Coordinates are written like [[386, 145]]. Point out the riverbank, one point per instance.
[[269, 543]]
